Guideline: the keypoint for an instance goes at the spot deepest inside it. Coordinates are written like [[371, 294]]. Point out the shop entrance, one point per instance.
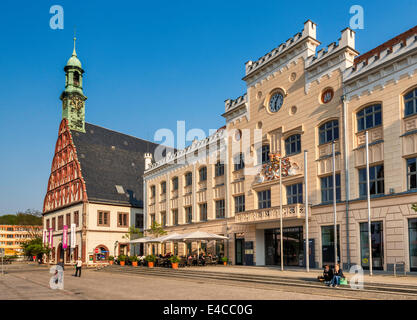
[[377, 243], [292, 246], [239, 249], [412, 239]]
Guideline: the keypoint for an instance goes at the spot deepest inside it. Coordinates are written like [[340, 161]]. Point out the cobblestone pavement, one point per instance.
[[32, 282]]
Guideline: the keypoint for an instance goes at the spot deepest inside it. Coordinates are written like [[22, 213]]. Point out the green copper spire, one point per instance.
[[73, 98], [74, 61]]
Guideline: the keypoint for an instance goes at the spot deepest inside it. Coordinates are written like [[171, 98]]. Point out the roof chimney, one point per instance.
[[148, 160]]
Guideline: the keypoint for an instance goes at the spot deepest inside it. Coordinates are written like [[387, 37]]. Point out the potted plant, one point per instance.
[[122, 259], [224, 259], [111, 259], [134, 260], [174, 262], [151, 260]]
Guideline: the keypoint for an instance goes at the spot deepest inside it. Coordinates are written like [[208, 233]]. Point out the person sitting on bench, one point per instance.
[[327, 275]]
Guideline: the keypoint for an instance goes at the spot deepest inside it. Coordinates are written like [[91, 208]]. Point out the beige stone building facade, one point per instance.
[[301, 99]]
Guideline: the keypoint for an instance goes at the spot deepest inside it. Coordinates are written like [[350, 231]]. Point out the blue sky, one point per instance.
[[147, 64]]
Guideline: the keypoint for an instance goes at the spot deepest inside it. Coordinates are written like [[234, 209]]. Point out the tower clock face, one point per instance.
[[276, 101], [76, 102]]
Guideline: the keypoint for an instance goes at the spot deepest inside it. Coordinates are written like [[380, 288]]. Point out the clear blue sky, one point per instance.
[[147, 64]]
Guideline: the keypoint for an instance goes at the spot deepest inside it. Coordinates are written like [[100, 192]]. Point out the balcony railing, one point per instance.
[[289, 211]]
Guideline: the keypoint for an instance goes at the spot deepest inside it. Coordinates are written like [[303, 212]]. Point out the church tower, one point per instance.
[[73, 98]]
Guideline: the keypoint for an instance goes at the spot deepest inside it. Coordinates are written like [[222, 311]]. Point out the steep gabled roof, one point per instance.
[[112, 164]]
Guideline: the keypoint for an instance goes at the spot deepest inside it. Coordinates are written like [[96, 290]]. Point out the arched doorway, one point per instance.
[[75, 254], [68, 255], [101, 253]]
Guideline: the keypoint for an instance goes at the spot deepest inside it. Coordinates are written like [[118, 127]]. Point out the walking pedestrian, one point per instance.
[[78, 265]]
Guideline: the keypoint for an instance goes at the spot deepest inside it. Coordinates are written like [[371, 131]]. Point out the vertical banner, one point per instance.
[[51, 244], [73, 242], [65, 237]]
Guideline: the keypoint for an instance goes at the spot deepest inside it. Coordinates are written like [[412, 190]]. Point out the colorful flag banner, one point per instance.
[[65, 237]]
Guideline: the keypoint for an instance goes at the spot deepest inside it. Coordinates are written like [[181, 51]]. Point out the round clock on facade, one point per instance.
[[276, 101]]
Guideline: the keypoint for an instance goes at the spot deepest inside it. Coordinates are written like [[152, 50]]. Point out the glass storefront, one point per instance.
[[377, 245], [239, 251], [412, 240], [102, 254], [292, 246], [327, 244]]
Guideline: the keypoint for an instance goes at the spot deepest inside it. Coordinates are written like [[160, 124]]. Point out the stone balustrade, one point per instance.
[[289, 211]]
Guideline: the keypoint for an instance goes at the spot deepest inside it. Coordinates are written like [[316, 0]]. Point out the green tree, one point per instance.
[[34, 247], [30, 217], [133, 233], [157, 230]]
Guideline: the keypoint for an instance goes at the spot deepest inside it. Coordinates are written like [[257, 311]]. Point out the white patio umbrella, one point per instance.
[[140, 240], [166, 238], [198, 236]]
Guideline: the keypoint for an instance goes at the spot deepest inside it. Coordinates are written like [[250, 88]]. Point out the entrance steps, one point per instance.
[[300, 280]]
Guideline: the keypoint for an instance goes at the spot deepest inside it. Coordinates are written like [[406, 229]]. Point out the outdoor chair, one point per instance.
[[189, 262], [166, 263], [201, 262], [183, 262]]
